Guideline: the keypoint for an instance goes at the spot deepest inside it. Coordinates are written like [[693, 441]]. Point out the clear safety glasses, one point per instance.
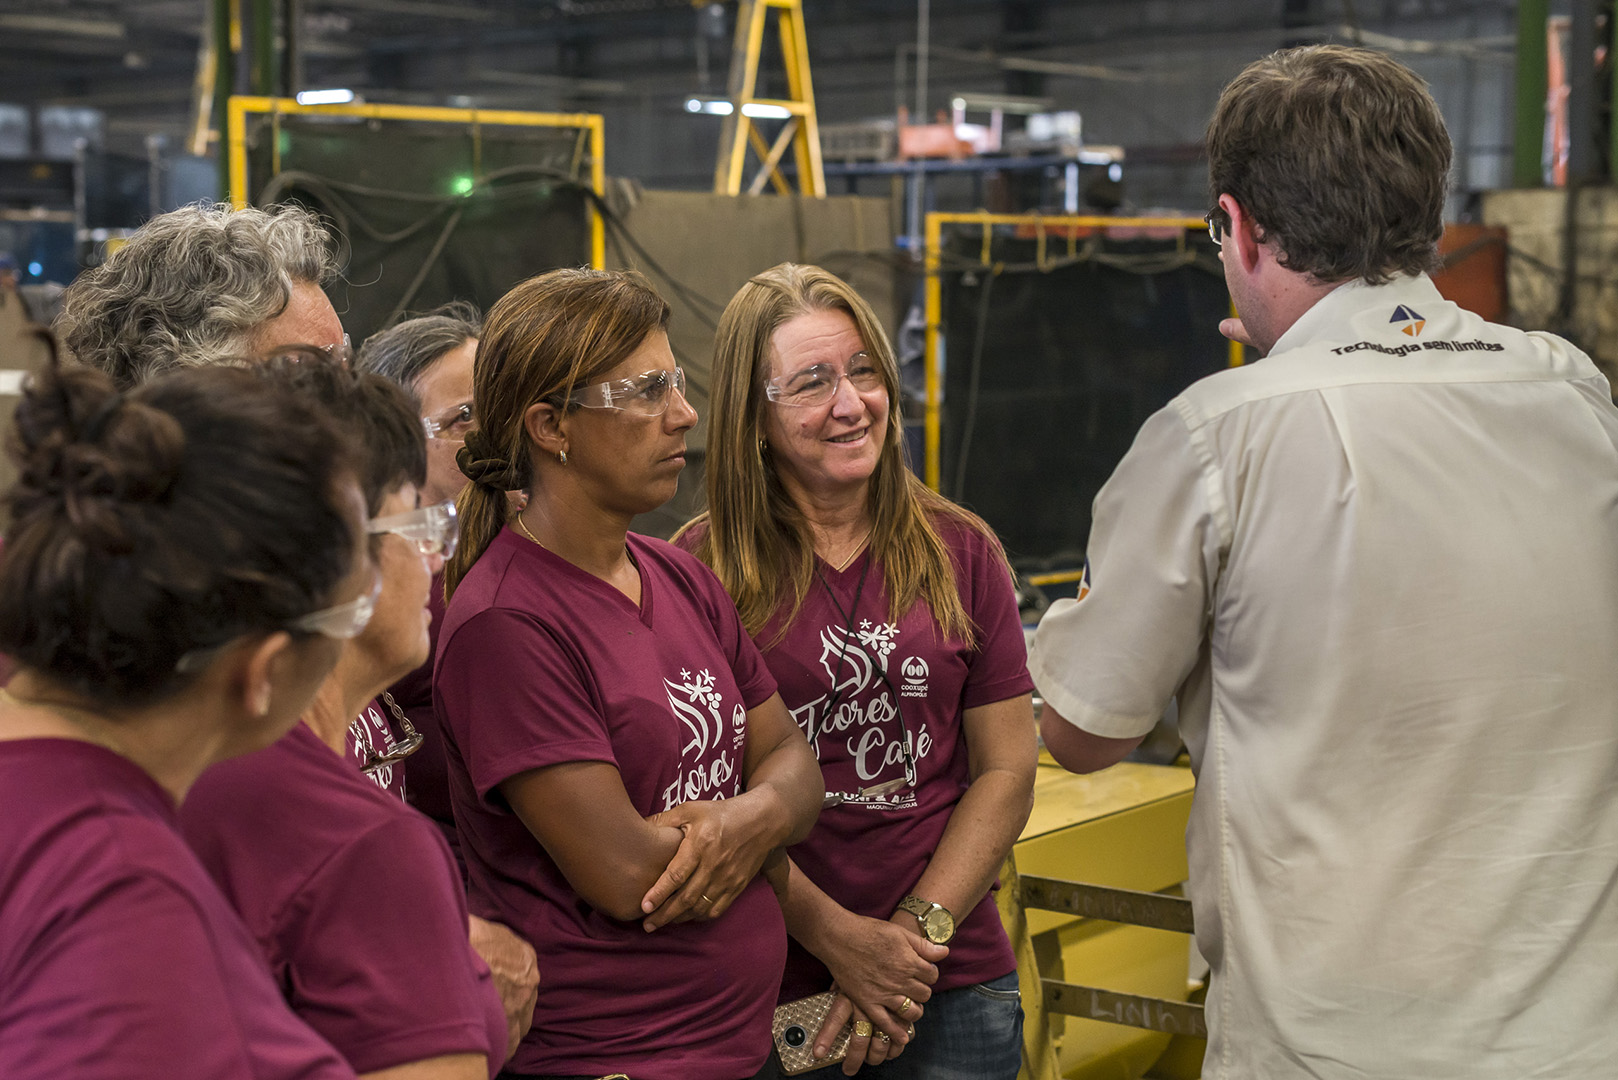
[[451, 427], [343, 621], [431, 528], [818, 384], [647, 394], [341, 354]]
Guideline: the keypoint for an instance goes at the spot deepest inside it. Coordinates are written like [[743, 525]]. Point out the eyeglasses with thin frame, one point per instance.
[[341, 354], [646, 394], [430, 528], [402, 749], [341, 622], [453, 427], [817, 384], [1215, 230]]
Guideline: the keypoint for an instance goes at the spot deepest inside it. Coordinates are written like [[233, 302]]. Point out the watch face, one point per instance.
[[938, 926]]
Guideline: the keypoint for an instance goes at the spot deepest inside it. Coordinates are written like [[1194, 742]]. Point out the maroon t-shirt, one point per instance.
[[355, 903], [540, 663], [878, 678], [118, 957], [429, 777]]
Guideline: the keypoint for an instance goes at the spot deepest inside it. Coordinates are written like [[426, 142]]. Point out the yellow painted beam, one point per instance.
[[934, 313], [592, 123]]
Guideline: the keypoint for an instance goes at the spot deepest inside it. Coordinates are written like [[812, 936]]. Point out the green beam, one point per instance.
[[1528, 142], [263, 70], [224, 84]]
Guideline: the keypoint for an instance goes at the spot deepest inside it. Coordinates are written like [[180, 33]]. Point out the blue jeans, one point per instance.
[[969, 1033]]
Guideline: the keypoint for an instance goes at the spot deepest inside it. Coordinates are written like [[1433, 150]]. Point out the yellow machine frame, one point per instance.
[[590, 125], [802, 129], [935, 293]]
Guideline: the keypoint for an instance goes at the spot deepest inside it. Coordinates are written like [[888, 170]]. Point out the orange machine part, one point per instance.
[[1474, 273]]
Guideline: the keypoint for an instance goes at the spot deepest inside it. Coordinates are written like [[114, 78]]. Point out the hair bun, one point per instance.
[[89, 452], [482, 465]]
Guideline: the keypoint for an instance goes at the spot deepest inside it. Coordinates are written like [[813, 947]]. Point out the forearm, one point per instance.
[[621, 875], [788, 784], [812, 918], [981, 830]]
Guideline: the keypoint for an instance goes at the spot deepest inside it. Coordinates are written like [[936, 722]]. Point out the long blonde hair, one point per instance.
[[756, 538], [543, 339]]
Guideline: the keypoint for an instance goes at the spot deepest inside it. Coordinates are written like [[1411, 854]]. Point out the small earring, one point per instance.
[[261, 703], [561, 455], [763, 447]]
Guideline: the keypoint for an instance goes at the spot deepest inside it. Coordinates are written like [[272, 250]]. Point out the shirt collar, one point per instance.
[[1352, 299]]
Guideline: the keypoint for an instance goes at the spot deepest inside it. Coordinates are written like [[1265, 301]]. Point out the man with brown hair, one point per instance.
[[1379, 570]]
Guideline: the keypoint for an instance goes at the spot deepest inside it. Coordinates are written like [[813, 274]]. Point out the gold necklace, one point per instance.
[[859, 547], [528, 534], [62, 711]]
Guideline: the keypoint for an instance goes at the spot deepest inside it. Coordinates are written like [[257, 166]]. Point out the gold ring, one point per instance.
[[884, 1036], [905, 1006], [862, 1029], [706, 900]]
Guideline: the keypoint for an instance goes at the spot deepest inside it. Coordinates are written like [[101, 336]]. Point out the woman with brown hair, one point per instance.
[[165, 612], [621, 765], [886, 614]]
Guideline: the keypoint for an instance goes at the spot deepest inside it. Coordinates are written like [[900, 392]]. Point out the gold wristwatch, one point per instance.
[[937, 924]]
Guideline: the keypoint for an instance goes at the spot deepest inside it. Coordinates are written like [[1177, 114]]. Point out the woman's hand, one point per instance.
[[723, 846], [515, 970], [873, 1047], [880, 965]]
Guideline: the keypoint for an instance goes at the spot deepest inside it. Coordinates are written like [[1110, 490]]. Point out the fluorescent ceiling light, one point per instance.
[[325, 97], [721, 107]]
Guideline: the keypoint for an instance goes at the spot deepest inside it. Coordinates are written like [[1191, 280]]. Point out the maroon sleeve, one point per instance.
[[999, 667], [515, 696], [382, 966]]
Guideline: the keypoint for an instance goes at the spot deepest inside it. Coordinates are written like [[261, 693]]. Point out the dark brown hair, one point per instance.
[[377, 413], [542, 340], [1341, 157], [200, 507]]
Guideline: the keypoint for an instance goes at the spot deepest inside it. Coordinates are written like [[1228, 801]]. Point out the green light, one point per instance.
[[463, 185]]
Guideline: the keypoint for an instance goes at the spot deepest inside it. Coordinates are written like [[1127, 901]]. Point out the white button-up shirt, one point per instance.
[[1380, 570]]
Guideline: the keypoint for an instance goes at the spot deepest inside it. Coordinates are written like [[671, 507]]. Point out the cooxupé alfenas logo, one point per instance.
[[914, 671], [1413, 323]]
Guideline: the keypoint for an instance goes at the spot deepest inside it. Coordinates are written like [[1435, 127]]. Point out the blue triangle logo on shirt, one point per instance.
[[1413, 323]]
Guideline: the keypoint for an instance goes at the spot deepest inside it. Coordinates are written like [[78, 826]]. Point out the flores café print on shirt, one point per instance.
[[859, 710], [709, 767]]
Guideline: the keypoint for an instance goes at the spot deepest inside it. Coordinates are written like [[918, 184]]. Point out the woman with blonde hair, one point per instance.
[[621, 765], [886, 614]]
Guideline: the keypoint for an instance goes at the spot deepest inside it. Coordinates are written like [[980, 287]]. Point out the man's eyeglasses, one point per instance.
[[341, 354], [1215, 230], [431, 528], [647, 394], [450, 428], [818, 384]]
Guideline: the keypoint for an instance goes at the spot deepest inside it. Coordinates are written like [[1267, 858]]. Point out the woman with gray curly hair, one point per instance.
[[201, 284]]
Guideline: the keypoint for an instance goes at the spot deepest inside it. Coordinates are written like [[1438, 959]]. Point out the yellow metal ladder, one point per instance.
[[801, 131]]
